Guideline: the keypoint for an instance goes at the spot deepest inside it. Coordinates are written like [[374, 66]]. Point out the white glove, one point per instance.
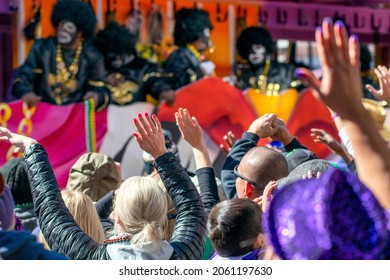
[[207, 68]]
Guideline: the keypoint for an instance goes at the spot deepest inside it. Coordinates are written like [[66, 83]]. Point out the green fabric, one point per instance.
[[208, 249]]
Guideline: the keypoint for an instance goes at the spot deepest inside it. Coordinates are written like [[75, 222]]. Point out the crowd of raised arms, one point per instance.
[[269, 203]]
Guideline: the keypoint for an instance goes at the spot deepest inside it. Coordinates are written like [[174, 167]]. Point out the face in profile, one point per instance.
[[204, 42], [67, 32]]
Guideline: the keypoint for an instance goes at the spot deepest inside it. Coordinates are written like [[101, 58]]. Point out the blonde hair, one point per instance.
[[140, 209], [84, 213], [80, 205]]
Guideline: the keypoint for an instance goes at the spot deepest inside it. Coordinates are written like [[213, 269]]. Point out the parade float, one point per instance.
[[69, 131]]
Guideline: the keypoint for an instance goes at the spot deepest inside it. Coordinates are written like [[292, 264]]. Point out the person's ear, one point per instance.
[[248, 189]]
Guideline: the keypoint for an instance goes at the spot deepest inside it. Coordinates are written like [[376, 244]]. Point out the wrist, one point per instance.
[[159, 153], [284, 139]]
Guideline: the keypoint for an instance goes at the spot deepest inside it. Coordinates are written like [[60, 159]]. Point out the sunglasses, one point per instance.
[[243, 177]]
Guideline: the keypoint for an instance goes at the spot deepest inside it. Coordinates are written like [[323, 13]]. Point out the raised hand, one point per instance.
[[383, 75], [281, 132], [262, 126], [189, 128], [228, 141], [340, 88], [149, 135], [21, 142], [192, 133], [263, 201], [321, 136]]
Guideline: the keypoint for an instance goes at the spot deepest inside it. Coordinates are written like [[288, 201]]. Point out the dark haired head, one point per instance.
[[78, 12], [254, 36], [189, 25], [234, 226], [115, 39]]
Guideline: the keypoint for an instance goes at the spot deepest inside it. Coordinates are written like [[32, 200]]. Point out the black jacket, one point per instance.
[[237, 152], [184, 68], [279, 73], [65, 236], [139, 76], [37, 74]]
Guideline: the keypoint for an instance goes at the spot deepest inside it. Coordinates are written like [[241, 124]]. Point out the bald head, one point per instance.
[[261, 165]]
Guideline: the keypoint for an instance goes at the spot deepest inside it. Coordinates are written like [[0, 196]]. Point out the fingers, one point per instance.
[[354, 51], [342, 39], [269, 189], [157, 123], [308, 78], [183, 118], [374, 91], [329, 41], [150, 122], [310, 175]]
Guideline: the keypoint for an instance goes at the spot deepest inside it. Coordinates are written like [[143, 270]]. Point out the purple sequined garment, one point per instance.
[[333, 217]]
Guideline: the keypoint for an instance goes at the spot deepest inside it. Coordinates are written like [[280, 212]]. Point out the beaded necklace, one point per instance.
[[197, 54], [262, 80], [66, 77]]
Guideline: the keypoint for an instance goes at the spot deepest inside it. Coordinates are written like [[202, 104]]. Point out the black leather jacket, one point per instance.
[[138, 77], [38, 72], [65, 236], [184, 68], [279, 73]]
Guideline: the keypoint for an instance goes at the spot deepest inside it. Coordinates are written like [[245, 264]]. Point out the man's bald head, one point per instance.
[[261, 165]]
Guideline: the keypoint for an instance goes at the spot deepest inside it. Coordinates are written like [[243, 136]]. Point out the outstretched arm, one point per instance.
[[58, 226], [192, 133], [260, 128], [189, 234], [340, 89]]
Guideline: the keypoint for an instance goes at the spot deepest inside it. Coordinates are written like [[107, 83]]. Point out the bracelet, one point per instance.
[[335, 116]]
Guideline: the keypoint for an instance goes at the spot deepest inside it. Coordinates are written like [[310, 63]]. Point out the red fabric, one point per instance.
[[218, 107], [311, 113], [61, 130]]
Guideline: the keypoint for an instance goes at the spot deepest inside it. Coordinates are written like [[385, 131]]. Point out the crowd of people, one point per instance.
[[270, 202]]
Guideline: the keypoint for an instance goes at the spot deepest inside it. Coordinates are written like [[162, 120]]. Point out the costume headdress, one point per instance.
[[189, 25], [254, 36], [78, 12]]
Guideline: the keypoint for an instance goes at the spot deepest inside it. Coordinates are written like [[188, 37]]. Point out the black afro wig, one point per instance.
[[115, 39], [254, 36], [189, 25], [78, 12]]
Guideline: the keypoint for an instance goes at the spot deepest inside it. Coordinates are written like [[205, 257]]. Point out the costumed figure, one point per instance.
[[130, 77], [66, 68], [187, 64], [267, 80]]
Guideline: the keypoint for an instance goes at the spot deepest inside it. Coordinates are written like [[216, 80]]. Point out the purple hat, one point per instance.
[[333, 217], [6, 209]]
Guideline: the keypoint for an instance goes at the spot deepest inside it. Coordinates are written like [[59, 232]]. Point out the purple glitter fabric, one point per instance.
[[333, 217]]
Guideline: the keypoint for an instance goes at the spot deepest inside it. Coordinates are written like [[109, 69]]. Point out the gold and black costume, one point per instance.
[[61, 76], [133, 82]]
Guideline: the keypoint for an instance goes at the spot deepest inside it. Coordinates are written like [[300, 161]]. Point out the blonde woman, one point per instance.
[[83, 211], [138, 233]]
